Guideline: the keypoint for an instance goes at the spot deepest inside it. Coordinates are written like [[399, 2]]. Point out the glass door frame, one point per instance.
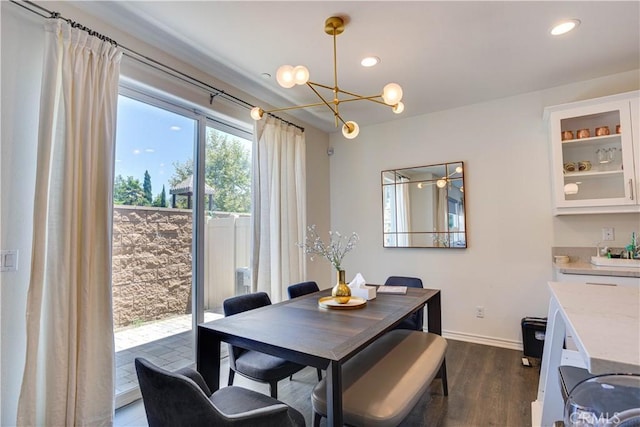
[[202, 120]]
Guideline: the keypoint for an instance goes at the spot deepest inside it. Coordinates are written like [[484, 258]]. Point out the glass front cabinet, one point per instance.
[[595, 155]]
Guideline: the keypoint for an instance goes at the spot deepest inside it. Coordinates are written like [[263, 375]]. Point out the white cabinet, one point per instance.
[[595, 149], [598, 280]]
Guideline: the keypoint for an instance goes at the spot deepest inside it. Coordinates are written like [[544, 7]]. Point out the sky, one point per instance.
[[151, 138]]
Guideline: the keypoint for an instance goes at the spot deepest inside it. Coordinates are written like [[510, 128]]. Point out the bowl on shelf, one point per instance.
[[567, 135], [583, 133], [602, 131], [569, 167], [584, 165]]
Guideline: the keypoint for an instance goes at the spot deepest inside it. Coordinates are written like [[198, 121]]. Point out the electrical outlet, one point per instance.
[[479, 311], [608, 234]]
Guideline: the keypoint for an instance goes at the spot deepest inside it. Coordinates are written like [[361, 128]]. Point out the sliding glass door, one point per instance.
[[181, 230], [227, 220]]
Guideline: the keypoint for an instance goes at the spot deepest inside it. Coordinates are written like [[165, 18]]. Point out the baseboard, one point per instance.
[[127, 397], [481, 339]]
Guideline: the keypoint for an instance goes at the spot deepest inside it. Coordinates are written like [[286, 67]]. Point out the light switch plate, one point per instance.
[[9, 260]]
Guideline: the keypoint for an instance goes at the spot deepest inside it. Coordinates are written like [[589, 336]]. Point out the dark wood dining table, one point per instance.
[[301, 331]]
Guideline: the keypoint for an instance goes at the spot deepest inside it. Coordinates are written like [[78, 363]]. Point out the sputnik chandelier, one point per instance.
[[288, 76]]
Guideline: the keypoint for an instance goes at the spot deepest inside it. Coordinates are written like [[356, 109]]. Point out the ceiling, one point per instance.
[[443, 54]]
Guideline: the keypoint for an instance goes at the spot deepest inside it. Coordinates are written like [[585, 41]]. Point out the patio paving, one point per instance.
[[168, 343]]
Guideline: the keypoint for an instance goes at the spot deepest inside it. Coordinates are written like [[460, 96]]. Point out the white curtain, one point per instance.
[[403, 212], [442, 218], [279, 207], [68, 375]]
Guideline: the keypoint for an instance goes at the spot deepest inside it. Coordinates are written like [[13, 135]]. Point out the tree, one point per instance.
[[227, 171], [128, 192], [161, 199], [147, 188]]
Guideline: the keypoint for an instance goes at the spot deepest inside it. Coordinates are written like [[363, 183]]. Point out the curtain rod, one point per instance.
[[149, 61]]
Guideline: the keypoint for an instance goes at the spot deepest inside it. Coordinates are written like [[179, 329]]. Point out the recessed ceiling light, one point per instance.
[[564, 27], [370, 61]]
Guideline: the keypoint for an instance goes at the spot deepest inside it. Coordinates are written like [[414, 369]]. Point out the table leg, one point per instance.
[[434, 314], [208, 358], [334, 394]]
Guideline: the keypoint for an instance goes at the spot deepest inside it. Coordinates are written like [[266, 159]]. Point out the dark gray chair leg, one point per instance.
[[443, 377], [273, 386], [231, 375], [316, 419], [319, 374]]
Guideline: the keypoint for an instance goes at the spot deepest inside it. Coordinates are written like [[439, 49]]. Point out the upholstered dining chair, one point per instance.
[[252, 364], [416, 320], [182, 398], [303, 288], [300, 289]]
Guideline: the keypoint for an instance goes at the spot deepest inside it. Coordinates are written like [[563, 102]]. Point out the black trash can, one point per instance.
[[533, 331]]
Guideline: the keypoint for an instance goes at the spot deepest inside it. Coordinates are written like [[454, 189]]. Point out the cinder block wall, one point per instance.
[[151, 277]]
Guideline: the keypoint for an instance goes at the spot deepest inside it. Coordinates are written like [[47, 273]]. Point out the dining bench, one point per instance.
[[383, 382]]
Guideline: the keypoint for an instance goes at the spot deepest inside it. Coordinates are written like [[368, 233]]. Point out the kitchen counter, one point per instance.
[[604, 322], [582, 267]]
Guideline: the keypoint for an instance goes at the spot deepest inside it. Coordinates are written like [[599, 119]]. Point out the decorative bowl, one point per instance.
[[583, 133], [602, 131], [567, 135]]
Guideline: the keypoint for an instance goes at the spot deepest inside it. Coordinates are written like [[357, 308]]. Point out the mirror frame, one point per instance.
[[448, 177]]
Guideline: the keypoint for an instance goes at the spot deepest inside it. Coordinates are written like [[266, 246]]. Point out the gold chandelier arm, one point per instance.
[[317, 104], [365, 98], [320, 85], [334, 110], [335, 62]]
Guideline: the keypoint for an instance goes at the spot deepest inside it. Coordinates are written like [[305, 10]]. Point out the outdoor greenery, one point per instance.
[[146, 187], [227, 171], [161, 199], [129, 191]]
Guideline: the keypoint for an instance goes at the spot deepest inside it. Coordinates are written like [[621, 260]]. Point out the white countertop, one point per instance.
[[606, 324], [581, 267]]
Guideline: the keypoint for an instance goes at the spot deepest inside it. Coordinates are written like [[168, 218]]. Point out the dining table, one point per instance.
[[303, 331]]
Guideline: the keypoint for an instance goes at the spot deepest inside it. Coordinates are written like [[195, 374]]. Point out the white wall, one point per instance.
[[22, 44], [510, 227], [22, 52]]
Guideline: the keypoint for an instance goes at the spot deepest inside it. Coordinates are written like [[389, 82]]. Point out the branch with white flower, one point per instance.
[[334, 251]]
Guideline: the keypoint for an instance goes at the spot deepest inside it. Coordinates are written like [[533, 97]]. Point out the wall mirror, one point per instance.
[[423, 207]]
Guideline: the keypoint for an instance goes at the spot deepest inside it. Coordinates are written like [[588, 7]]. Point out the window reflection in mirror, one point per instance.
[[423, 207]]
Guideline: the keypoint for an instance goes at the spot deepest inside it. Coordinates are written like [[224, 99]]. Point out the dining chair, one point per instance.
[[182, 398], [300, 289], [303, 288], [252, 364], [416, 320]]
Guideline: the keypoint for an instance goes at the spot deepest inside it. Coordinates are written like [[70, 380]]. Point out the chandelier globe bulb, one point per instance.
[[300, 75], [350, 130], [392, 94], [285, 76], [256, 113], [441, 183], [398, 108]]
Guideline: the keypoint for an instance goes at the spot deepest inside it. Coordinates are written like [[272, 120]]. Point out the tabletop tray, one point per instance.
[[354, 303]]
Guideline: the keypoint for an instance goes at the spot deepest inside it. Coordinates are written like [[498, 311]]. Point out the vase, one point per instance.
[[341, 293]]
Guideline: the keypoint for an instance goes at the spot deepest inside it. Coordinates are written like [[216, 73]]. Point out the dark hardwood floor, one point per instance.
[[488, 386]]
